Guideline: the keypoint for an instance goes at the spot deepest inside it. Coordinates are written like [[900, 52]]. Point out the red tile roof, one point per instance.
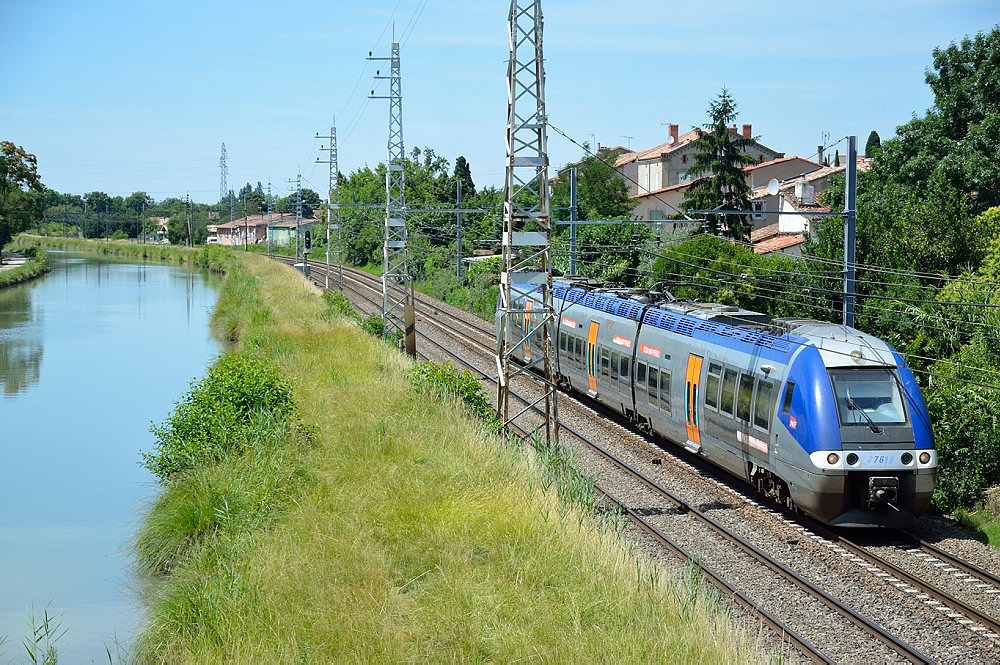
[[661, 190], [778, 242], [779, 160]]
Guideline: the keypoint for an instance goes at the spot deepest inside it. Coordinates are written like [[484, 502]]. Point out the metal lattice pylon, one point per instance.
[[223, 175], [526, 282], [397, 301], [333, 204]]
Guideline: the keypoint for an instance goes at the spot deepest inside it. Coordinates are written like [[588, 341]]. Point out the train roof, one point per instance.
[[839, 345]]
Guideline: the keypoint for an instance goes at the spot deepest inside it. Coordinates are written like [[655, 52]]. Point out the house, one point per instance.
[[669, 163], [283, 228], [252, 229], [800, 198]]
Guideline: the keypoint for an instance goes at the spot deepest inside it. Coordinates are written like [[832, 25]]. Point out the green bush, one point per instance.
[[447, 381], [242, 404], [339, 304]]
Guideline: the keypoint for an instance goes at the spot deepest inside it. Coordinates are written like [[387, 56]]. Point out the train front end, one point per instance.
[[861, 452]]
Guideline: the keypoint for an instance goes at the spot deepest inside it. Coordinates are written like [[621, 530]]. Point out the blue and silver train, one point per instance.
[[818, 416]]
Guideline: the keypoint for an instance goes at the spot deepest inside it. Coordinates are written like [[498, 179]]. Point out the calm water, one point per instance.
[[89, 356]]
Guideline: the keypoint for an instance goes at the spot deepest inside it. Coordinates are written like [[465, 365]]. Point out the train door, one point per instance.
[[527, 331], [691, 390], [592, 358]]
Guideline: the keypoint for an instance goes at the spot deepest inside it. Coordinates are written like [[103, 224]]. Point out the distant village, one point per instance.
[[658, 178]]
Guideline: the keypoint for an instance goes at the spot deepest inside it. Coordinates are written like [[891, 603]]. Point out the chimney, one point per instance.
[[673, 133], [819, 154], [747, 133]]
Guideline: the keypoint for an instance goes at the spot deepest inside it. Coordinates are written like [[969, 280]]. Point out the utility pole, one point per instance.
[[298, 212], [187, 215], [850, 227], [458, 270], [268, 240], [397, 287], [333, 203], [246, 226], [573, 211], [223, 175], [526, 281]]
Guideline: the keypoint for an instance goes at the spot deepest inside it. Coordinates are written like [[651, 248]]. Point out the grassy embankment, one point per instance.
[[374, 522], [37, 265]]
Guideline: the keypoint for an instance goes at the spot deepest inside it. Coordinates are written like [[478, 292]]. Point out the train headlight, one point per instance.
[[924, 458], [906, 458], [832, 458], [852, 459]]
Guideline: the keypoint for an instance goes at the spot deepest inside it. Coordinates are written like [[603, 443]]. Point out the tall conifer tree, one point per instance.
[[718, 164]]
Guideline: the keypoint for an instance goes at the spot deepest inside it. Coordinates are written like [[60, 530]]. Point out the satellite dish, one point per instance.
[[772, 186], [670, 139]]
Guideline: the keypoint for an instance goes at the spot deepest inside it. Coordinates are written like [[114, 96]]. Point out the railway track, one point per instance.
[[367, 290]]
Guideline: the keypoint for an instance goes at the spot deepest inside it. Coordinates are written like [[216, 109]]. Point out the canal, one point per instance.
[[90, 355]]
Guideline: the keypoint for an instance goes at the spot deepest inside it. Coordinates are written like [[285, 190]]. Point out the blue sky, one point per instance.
[[126, 96]]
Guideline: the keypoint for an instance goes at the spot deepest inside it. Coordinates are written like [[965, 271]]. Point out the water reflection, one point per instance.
[[121, 343], [20, 353]]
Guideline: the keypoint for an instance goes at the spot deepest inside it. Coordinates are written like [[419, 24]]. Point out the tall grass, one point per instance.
[[400, 531]]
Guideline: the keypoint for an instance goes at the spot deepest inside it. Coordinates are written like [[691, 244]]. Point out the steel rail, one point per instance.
[[856, 618]]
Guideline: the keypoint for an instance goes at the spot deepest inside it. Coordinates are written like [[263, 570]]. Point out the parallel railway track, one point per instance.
[[367, 291]]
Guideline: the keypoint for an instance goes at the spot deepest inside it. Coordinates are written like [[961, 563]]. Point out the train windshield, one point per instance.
[[868, 396]]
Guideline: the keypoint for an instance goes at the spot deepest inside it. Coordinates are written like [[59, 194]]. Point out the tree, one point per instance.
[[464, 173], [959, 137], [601, 194], [719, 159], [19, 189], [873, 144], [137, 203]]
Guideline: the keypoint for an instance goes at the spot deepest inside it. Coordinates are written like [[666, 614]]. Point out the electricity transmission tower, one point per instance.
[[397, 288], [526, 281], [333, 203], [298, 216], [223, 174]]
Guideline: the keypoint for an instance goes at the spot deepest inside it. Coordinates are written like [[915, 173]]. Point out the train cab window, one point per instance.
[[654, 382], [745, 397], [762, 407], [727, 398], [605, 363], [789, 393], [665, 391], [868, 396], [615, 363], [712, 382], [625, 361], [640, 376]]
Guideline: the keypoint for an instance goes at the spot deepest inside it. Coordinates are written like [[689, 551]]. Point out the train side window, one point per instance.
[[562, 342], [712, 385], [728, 396], [653, 384], [763, 405], [745, 397], [665, 390], [640, 376], [789, 392], [615, 363], [625, 361], [605, 362]]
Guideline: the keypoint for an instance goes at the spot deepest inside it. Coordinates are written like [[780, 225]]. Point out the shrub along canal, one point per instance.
[[90, 355]]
